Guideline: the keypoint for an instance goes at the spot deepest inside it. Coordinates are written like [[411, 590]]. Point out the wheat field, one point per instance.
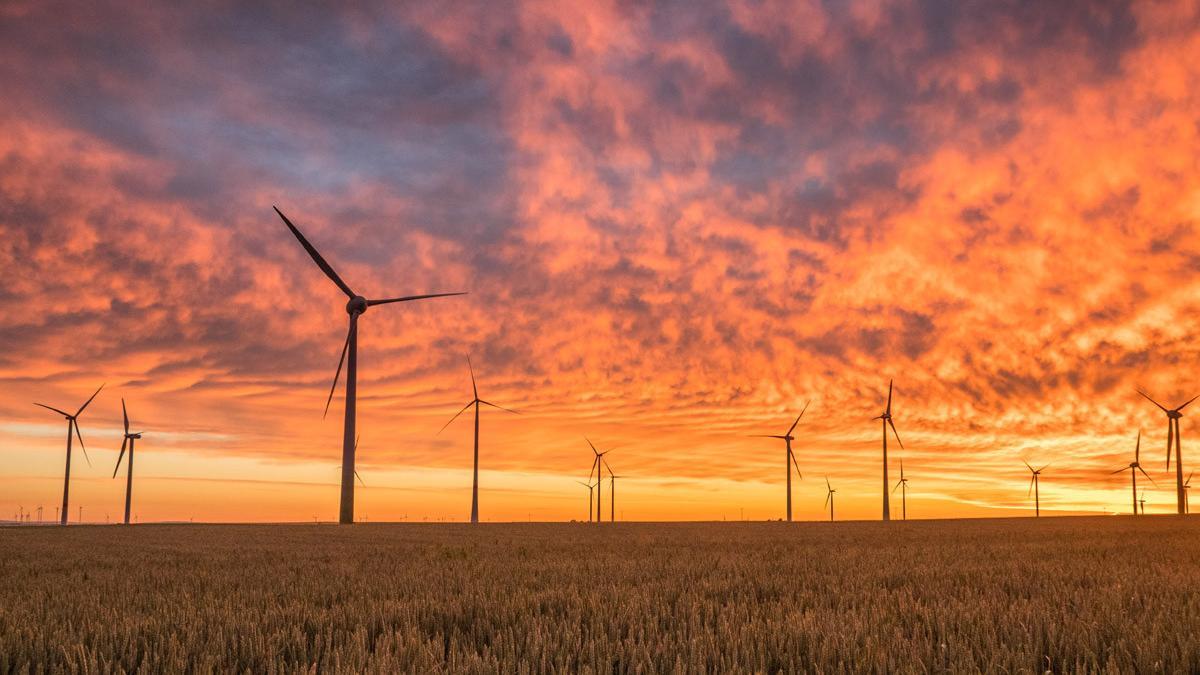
[[1064, 594]]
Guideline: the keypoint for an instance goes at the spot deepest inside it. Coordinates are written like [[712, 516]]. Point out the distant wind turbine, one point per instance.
[[474, 402], [903, 485], [1143, 502], [789, 459], [612, 493], [1187, 485], [886, 416], [129, 439], [72, 426], [599, 456], [1134, 467], [1173, 417], [1034, 484], [354, 307], [591, 488], [829, 497]]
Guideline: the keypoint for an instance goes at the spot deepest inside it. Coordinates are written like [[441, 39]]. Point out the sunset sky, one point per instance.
[[678, 222]]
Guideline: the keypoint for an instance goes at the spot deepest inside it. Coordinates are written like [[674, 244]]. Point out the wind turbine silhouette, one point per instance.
[[354, 307], [1143, 501], [1034, 484], [474, 402], [903, 485], [612, 493], [72, 426], [1187, 485], [789, 459], [1173, 417], [129, 438], [599, 456], [1134, 467], [590, 488], [886, 416], [829, 497]]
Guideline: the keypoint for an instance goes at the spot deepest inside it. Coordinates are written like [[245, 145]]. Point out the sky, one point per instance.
[[678, 224]]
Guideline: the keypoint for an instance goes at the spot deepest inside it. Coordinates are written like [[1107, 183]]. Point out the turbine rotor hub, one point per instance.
[[357, 305], [1174, 414]]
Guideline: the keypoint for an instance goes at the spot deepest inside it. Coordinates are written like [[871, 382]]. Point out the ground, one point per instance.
[[1061, 594]]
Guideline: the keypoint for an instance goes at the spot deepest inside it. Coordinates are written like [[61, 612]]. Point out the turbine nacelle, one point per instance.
[[357, 305]]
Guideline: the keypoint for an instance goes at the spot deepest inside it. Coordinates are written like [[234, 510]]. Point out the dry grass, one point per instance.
[[1114, 594]]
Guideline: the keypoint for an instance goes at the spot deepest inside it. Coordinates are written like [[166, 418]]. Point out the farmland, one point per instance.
[[1064, 594]]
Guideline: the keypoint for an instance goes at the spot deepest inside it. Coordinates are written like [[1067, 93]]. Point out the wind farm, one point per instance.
[[699, 233]]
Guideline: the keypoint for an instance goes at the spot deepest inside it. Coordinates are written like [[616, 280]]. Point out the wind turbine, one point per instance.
[[590, 488], [1034, 484], [72, 426], [829, 497], [129, 439], [1134, 467], [886, 416], [1187, 485], [1143, 502], [1173, 417], [789, 459], [354, 307], [475, 474], [903, 485], [612, 493], [599, 476]]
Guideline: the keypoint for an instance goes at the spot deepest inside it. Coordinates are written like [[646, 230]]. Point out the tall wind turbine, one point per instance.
[[1173, 417], [789, 459], [591, 488], [599, 456], [474, 402], [72, 426], [354, 307], [1134, 467], [1187, 485], [886, 416], [829, 497], [903, 485], [129, 439], [1034, 484]]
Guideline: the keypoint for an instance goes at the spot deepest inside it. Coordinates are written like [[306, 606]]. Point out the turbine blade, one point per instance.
[[827, 485], [125, 414], [594, 450], [796, 465], [356, 440], [1170, 439], [312, 252], [895, 433], [120, 457], [1137, 451], [1147, 397], [1119, 470], [499, 407], [464, 409], [60, 412], [88, 402], [337, 375], [360, 480], [789, 431], [81, 445], [889, 405], [471, 369], [901, 468], [1188, 403], [1030, 490], [372, 303], [897, 486], [1147, 476], [764, 436], [1043, 468], [827, 496], [1027, 465]]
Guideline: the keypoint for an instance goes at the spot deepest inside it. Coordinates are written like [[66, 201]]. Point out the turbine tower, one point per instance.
[[1134, 467], [599, 456], [354, 307], [612, 493], [129, 439], [886, 416], [72, 426], [829, 497], [474, 402], [903, 485], [1034, 484], [789, 459], [1173, 417]]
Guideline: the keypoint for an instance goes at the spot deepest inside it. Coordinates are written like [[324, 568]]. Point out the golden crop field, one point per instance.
[[1060, 594]]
